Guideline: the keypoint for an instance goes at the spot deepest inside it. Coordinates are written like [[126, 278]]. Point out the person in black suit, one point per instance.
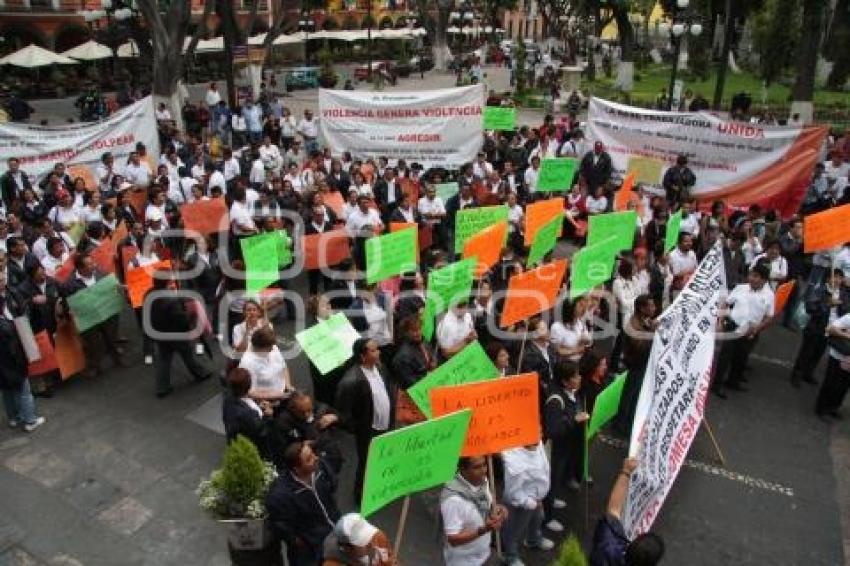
[[387, 193], [317, 224], [338, 179], [204, 261], [18, 261], [539, 355], [455, 203], [170, 315], [366, 403], [302, 419], [41, 295], [241, 415], [596, 167], [405, 212], [345, 287], [414, 358], [12, 183]]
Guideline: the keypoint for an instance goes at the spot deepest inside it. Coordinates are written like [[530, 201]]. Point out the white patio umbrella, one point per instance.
[[89, 51], [453, 29], [128, 50], [288, 39], [33, 56]]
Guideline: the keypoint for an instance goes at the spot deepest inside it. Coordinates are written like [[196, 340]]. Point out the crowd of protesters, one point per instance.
[[274, 175]]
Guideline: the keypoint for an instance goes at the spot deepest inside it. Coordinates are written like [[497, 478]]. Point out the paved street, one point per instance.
[[110, 478]]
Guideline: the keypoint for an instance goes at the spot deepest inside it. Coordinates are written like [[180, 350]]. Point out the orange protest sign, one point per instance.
[[505, 412], [533, 292], [140, 280], [47, 362], [82, 171], [205, 216], [486, 246], [410, 189], [119, 234], [783, 293], [334, 201], [624, 195], [69, 350], [103, 256], [66, 269], [539, 214], [325, 250], [138, 200], [826, 229]]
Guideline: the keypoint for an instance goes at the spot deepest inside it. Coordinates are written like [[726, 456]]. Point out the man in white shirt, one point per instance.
[[456, 330], [751, 311], [469, 514], [531, 175], [772, 258], [215, 178], [138, 173], [690, 219], [481, 168], [683, 260], [270, 154], [231, 166], [105, 172], [309, 130], [241, 219], [257, 176], [163, 114], [213, 97]]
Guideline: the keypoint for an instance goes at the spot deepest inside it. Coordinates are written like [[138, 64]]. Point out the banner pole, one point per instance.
[[714, 441], [522, 350], [493, 489], [401, 524]]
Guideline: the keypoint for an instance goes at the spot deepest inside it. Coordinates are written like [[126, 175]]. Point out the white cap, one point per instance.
[[353, 529]]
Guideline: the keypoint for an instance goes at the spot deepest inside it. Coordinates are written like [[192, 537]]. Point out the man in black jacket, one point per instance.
[[169, 315], [596, 167], [301, 420], [18, 261], [366, 403], [387, 193], [301, 506], [12, 184], [678, 181]]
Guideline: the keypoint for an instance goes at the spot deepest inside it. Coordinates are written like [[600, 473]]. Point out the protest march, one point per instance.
[[482, 305]]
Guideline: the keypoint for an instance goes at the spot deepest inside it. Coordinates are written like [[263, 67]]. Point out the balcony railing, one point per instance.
[[40, 6]]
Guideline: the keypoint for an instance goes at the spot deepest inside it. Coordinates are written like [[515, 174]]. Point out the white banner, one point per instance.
[[437, 128], [748, 162], [672, 401], [83, 143]]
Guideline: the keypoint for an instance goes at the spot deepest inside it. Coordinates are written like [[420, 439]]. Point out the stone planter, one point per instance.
[[250, 543]]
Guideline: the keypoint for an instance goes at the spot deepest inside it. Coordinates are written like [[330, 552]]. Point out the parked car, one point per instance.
[[385, 68], [302, 77]]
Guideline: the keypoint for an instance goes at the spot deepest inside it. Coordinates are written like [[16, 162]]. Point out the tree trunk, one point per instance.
[[441, 47], [723, 65], [807, 59], [626, 66]]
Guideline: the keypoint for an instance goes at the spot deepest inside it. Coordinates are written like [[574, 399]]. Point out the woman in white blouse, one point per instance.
[[598, 202], [571, 335], [455, 331], [626, 289], [269, 374], [773, 258], [90, 212], [376, 317], [253, 321]]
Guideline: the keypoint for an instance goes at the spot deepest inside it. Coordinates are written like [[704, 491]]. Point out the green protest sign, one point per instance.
[[556, 174], [591, 266], [451, 285], [260, 253], [284, 249], [413, 458], [671, 235], [606, 406], [428, 315], [391, 254], [468, 365], [544, 240], [328, 343], [96, 304], [470, 221], [621, 225], [499, 118], [446, 190]]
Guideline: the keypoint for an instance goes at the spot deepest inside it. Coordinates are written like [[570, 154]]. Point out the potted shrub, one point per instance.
[[235, 496]]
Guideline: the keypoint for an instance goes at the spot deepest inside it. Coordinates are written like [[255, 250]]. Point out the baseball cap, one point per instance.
[[353, 529]]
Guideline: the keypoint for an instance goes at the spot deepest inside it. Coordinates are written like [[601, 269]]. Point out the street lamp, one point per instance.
[[306, 24], [682, 24]]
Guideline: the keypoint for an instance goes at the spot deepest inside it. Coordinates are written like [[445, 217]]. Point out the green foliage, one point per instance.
[[776, 32], [836, 46], [239, 487], [571, 554]]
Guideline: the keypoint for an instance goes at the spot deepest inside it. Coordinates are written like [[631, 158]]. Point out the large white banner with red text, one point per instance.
[[737, 162], [672, 400], [437, 128], [83, 143]]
